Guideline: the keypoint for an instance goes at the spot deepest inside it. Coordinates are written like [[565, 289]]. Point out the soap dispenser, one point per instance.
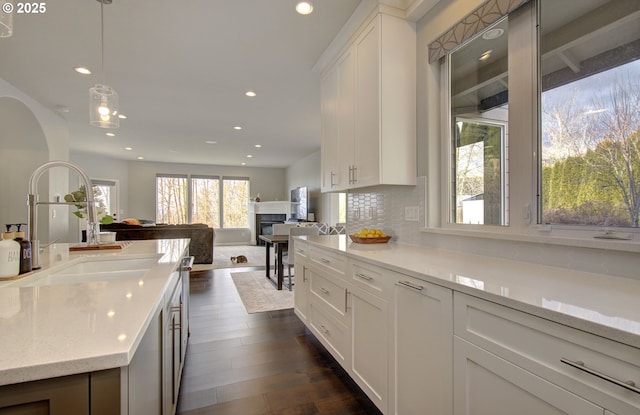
[[25, 249], [9, 255]]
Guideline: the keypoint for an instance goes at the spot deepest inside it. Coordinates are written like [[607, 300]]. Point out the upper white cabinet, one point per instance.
[[369, 109]]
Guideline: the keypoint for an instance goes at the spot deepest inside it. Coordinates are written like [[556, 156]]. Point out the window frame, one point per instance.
[[190, 196], [524, 173]]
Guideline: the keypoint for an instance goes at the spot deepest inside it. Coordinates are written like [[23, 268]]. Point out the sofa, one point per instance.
[[202, 236]]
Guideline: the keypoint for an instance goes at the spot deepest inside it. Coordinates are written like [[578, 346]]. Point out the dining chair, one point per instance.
[[289, 259], [280, 229]]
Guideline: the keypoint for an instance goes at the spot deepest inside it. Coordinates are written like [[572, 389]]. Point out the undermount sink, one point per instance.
[[90, 270]]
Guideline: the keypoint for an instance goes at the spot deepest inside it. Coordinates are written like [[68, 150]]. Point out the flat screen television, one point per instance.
[[299, 204]]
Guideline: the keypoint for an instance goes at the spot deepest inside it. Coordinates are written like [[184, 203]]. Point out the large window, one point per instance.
[[544, 119], [203, 199], [590, 121]]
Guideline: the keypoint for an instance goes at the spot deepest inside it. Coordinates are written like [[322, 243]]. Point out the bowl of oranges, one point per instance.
[[370, 236]]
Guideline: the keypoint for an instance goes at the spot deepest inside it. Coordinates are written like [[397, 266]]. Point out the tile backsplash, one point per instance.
[[385, 207]]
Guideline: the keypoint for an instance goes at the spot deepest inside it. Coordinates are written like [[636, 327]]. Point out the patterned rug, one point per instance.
[[258, 294]]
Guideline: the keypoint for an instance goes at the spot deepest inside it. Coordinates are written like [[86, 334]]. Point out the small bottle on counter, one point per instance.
[[9, 255], [25, 250]]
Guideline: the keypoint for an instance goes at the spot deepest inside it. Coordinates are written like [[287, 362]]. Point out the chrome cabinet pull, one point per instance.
[[325, 261], [332, 176], [324, 329], [364, 277], [412, 286], [629, 384], [355, 175], [304, 274], [324, 290]]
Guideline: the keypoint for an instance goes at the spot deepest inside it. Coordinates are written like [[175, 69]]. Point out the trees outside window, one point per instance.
[[202, 199]]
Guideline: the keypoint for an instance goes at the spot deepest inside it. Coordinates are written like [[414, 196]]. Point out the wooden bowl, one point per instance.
[[376, 240]]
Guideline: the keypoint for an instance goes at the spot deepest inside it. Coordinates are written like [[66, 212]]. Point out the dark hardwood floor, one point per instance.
[[257, 364]]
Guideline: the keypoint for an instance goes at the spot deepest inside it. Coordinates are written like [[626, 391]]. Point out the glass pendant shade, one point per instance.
[[6, 18], [103, 107]]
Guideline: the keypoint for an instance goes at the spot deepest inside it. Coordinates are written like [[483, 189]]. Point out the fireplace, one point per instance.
[[264, 223]]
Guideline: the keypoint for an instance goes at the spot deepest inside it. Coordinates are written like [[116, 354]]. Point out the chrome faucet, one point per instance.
[[33, 202]]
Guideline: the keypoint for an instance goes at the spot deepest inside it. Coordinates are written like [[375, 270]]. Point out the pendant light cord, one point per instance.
[[102, 40]]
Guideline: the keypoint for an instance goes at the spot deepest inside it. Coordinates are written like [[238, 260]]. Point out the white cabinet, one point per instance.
[[511, 353], [422, 356], [301, 297], [369, 332], [488, 385], [369, 105], [172, 346]]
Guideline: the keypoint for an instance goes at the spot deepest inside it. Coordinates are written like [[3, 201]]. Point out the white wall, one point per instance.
[[31, 135], [306, 172]]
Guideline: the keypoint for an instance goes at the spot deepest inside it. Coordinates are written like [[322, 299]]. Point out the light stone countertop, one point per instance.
[[55, 330], [599, 304]]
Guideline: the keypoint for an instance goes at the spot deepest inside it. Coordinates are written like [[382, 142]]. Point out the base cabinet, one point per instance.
[[369, 332], [301, 297], [422, 356], [488, 385]]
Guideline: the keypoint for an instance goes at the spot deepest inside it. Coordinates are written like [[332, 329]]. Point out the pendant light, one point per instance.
[[6, 18], [103, 99]]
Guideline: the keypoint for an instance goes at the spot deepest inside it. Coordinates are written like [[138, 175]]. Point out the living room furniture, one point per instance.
[[201, 235], [288, 258]]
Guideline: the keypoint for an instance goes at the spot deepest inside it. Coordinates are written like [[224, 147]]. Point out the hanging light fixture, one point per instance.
[[103, 99], [304, 7], [6, 18]]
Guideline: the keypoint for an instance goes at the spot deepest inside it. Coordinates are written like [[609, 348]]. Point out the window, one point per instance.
[[236, 208], [590, 118], [171, 199], [203, 199], [479, 116], [543, 124], [105, 192]]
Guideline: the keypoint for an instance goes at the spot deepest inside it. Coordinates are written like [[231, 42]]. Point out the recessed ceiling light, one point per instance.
[[122, 116], [249, 156], [211, 142], [243, 164], [493, 33], [237, 127], [128, 148], [140, 158], [82, 70], [110, 134], [250, 94], [258, 146], [304, 7]]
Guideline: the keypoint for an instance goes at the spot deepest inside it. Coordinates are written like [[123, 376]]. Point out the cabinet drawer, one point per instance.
[[332, 263], [331, 332], [330, 291], [371, 279], [547, 349]]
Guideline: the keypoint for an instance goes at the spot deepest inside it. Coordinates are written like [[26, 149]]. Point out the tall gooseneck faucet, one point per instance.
[[33, 202]]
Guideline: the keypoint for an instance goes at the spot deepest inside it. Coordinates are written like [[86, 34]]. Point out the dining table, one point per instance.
[[279, 242]]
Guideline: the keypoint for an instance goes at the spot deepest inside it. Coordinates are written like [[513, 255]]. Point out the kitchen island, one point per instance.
[[118, 332], [423, 330]]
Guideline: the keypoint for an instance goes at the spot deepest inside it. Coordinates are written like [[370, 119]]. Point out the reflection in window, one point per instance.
[[479, 101], [590, 121]]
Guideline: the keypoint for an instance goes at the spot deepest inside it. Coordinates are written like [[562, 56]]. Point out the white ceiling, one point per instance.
[[181, 69]]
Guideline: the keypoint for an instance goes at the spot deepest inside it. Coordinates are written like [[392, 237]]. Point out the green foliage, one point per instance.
[[80, 195]]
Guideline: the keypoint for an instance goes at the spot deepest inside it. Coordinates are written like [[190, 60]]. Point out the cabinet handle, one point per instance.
[[629, 385], [355, 175], [364, 277], [332, 176], [324, 329], [324, 290], [410, 285], [304, 274], [325, 261]]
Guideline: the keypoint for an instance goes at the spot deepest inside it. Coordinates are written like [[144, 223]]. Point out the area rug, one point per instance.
[[258, 294]]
